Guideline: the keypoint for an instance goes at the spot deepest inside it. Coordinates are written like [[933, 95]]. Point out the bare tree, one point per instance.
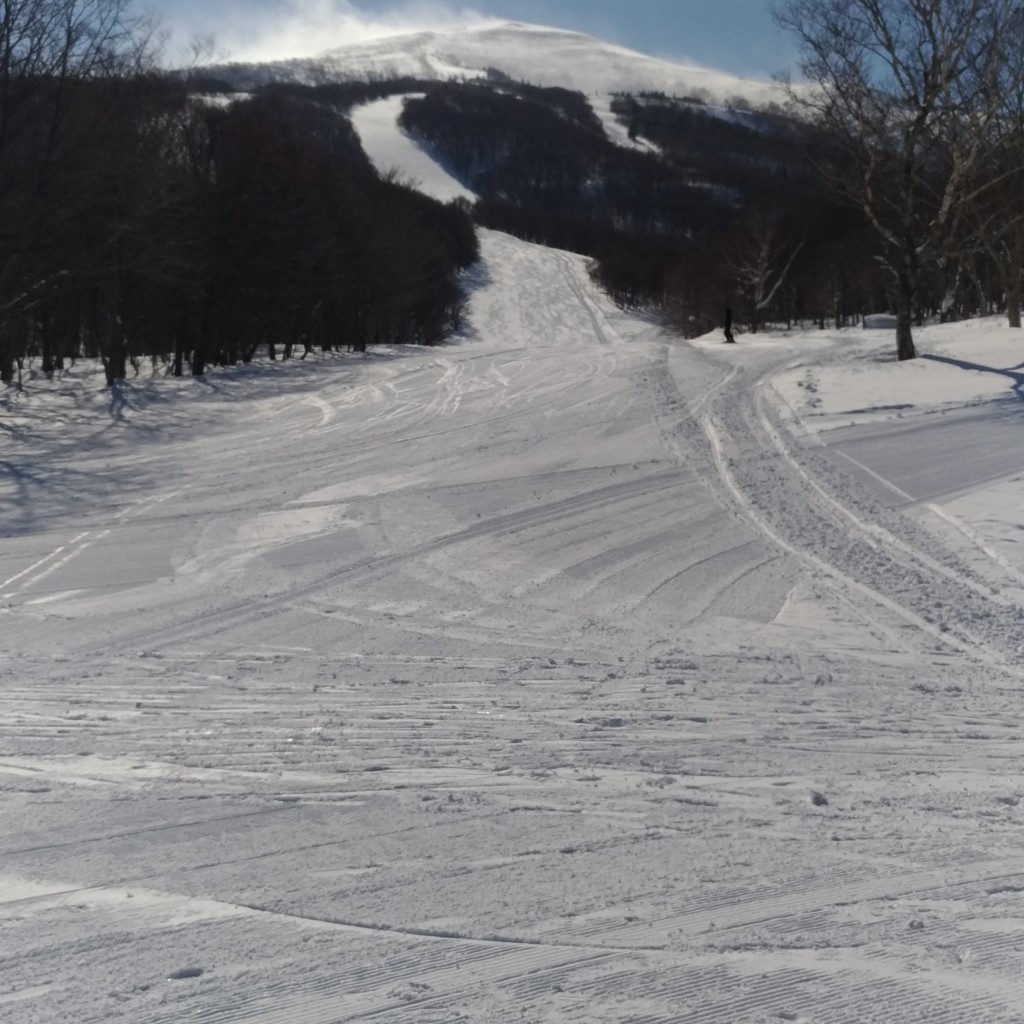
[[50, 50], [759, 261], [907, 93]]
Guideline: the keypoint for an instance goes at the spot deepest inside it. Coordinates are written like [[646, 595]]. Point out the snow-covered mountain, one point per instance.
[[530, 53]]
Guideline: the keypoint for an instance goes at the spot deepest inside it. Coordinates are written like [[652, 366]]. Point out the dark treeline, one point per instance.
[[546, 172], [723, 211], [782, 248], [342, 96], [789, 249], [521, 152], [737, 149], [573, 106], [698, 224], [139, 222]]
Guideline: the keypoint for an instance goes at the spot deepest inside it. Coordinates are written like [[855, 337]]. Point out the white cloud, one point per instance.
[[301, 28]]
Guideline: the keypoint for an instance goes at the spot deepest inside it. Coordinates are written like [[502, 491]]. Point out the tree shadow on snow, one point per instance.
[[1013, 373]]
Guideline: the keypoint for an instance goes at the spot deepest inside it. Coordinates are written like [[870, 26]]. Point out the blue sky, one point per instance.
[[732, 35]]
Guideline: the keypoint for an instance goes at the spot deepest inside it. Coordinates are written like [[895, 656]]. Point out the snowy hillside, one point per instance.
[[529, 53]]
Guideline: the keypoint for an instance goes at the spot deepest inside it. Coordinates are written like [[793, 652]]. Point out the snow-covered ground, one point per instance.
[[939, 436], [569, 673]]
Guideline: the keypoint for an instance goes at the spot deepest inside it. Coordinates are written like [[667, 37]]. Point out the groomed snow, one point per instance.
[[568, 673]]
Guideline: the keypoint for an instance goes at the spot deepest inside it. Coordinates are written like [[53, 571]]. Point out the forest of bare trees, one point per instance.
[[920, 105], [139, 221]]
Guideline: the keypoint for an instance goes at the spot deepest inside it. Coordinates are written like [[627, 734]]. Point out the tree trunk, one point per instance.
[[46, 344], [115, 360], [905, 317], [1013, 289], [47, 364], [197, 364], [1013, 297]]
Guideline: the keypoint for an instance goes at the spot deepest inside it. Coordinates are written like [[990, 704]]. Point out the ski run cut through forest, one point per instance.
[[567, 673]]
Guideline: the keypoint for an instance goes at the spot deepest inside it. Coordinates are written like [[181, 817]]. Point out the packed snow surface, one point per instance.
[[568, 673]]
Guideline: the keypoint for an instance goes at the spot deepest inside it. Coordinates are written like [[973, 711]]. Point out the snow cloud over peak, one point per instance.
[[304, 28]]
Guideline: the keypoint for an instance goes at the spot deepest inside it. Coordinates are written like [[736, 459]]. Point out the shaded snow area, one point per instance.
[[560, 675]]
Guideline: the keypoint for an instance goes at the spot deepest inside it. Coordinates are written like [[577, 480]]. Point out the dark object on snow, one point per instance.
[[186, 972], [728, 326]]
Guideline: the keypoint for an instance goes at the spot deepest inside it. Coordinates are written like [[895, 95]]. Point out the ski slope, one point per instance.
[[393, 150], [569, 673]]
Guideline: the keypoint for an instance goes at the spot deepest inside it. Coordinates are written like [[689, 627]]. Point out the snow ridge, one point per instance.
[[530, 53]]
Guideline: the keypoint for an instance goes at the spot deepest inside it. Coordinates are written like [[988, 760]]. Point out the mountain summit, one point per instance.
[[529, 53]]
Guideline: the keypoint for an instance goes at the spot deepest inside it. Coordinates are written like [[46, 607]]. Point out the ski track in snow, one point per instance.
[[548, 676]]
